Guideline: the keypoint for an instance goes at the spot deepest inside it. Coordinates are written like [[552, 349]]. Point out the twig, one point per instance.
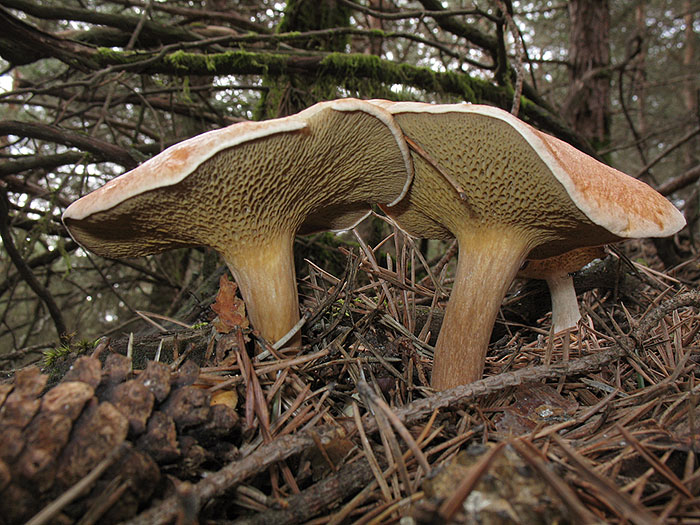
[[304, 506], [691, 298], [633, 511], [435, 164], [659, 467], [391, 444], [685, 138], [366, 391], [680, 182], [232, 474], [532, 457], [369, 455], [518, 43]]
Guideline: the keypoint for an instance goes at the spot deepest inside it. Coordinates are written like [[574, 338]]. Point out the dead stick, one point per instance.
[[614, 497], [304, 506], [234, 473], [40, 290]]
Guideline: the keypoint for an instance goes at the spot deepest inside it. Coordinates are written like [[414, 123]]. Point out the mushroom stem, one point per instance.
[[488, 261], [266, 278], [565, 312]]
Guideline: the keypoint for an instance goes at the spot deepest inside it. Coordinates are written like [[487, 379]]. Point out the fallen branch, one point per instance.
[[309, 503]]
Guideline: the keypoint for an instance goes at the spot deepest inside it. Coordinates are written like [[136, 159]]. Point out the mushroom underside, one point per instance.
[[248, 201]]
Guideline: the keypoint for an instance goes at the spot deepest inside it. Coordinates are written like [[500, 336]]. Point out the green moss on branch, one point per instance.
[[342, 69]]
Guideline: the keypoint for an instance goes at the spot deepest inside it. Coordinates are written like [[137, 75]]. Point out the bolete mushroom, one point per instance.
[[246, 190], [507, 191], [556, 271]]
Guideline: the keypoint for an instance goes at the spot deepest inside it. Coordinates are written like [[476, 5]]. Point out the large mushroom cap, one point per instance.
[[245, 190], [507, 191], [319, 169], [515, 174]]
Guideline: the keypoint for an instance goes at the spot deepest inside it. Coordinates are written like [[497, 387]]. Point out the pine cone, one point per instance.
[[145, 423]]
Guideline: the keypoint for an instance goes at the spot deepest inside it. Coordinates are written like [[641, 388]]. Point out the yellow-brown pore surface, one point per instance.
[[322, 177], [507, 184]]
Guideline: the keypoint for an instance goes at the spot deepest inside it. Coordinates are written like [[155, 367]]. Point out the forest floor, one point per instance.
[[597, 425]]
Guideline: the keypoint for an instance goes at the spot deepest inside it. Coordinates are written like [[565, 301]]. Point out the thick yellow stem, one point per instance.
[[266, 278], [488, 262]]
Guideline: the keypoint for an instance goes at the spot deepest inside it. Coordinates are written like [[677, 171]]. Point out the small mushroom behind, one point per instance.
[[246, 190], [556, 271], [507, 191]]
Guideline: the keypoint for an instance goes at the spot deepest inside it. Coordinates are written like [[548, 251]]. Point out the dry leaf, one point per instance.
[[230, 309], [534, 404]]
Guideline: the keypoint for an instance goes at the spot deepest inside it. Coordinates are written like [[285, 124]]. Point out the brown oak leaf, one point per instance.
[[229, 308]]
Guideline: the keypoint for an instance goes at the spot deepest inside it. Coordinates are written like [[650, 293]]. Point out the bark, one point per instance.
[[690, 101], [99, 148], [587, 107]]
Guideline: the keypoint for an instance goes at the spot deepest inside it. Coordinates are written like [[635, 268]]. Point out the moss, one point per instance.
[[232, 62], [57, 361], [358, 74], [108, 56], [182, 60], [53, 355], [290, 91], [211, 65], [341, 66], [186, 93], [106, 52]]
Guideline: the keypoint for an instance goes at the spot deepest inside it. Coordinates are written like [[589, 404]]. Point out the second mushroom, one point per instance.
[[507, 191]]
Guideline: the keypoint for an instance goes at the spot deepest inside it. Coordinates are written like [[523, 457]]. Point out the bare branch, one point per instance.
[[99, 148], [26, 273]]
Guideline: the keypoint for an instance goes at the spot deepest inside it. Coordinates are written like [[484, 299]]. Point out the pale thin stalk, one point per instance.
[[565, 312]]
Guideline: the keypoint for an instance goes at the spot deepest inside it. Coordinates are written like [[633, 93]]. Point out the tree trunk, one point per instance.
[[690, 101], [690, 86], [289, 94], [587, 106]]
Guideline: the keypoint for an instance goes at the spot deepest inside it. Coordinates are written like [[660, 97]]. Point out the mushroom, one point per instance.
[[246, 190], [507, 191], [556, 271]]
